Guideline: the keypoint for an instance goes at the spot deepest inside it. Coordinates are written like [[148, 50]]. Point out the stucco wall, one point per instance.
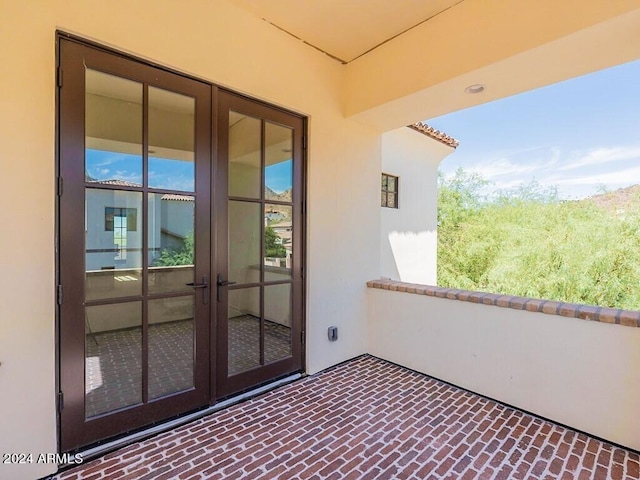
[[579, 373], [213, 40], [408, 234]]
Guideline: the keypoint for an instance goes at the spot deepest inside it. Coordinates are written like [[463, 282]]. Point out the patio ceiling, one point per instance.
[[510, 47], [411, 60], [346, 29]]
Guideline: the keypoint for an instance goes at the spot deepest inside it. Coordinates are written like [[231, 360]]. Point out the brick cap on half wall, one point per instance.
[[627, 318]]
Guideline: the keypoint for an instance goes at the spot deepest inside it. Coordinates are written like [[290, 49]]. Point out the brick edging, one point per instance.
[[627, 318]]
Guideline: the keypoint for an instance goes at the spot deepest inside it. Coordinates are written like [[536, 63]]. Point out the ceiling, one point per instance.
[[346, 29]]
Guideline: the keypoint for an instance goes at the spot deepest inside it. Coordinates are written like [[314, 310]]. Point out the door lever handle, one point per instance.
[[204, 284], [222, 283]]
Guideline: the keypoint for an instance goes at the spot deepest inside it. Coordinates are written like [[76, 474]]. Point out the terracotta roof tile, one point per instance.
[[124, 183], [119, 183], [435, 134], [175, 196]]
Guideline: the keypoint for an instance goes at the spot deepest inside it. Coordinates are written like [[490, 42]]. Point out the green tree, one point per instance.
[[171, 257], [460, 199], [459, 196], [531, 192], [272, 244], [527, 242]]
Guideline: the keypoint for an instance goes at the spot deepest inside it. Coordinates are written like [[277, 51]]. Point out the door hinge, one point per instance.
[[302, 337], [302, 272], [304, 142], [60, 401], [59, 76], [60, 186], [59, 294], [304, 208]]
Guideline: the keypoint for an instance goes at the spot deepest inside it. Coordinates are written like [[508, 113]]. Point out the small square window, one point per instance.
[[115, 214], [389, 197]]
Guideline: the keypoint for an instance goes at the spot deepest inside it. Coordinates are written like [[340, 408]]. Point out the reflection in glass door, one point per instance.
[[134, 244], [149, 261], [260, 241]]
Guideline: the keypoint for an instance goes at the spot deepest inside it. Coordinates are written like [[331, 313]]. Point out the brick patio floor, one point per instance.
[[366, 419]]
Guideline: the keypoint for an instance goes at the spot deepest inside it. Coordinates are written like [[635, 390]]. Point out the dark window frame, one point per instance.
[[131, 214], [389, 193]]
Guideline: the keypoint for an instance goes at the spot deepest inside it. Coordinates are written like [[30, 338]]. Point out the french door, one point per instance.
[[134, 229], [180, 272], [259, 235]]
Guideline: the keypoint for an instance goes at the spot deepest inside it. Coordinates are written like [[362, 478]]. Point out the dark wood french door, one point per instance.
[[259, 237], [169, 298], [134, 226]]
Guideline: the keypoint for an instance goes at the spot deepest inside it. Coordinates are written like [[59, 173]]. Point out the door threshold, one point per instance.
[[107, 447]]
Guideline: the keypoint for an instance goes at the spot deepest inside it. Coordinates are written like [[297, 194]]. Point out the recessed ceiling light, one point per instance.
[[475, 88]]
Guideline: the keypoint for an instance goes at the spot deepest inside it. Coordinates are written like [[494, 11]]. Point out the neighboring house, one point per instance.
[[114, 235], [232, 99], [284, 232], [409, 242]]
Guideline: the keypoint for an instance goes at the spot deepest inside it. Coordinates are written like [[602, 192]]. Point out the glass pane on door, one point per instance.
[[278, 242], [113, 243], [277, 322], [113, 357], [245, 225], [278, 171], [243, 330], [113, 129], [171, 242], [245, 155], [171, 140], [171, 345]]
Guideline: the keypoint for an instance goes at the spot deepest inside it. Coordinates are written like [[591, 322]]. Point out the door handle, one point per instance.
[[203, 285], [222, 283]]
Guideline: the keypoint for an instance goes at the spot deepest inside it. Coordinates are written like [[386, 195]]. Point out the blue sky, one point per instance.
[[579, 135], [104, 165], [163, 173], [278, 176]]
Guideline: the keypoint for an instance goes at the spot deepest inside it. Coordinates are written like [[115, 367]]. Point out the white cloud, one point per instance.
[[494, 169], [576, 173], [626, 176], [601, 156], [503, 167]]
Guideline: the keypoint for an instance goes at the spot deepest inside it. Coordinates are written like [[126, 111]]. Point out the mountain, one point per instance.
[[279, 197], [617, 201]]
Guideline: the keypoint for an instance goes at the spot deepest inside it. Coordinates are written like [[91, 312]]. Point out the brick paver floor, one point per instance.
[[114, 373], [366, 419]]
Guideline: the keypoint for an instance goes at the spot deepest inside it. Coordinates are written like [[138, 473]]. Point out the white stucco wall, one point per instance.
[[408, 234], [580, 373], [213, 40]]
